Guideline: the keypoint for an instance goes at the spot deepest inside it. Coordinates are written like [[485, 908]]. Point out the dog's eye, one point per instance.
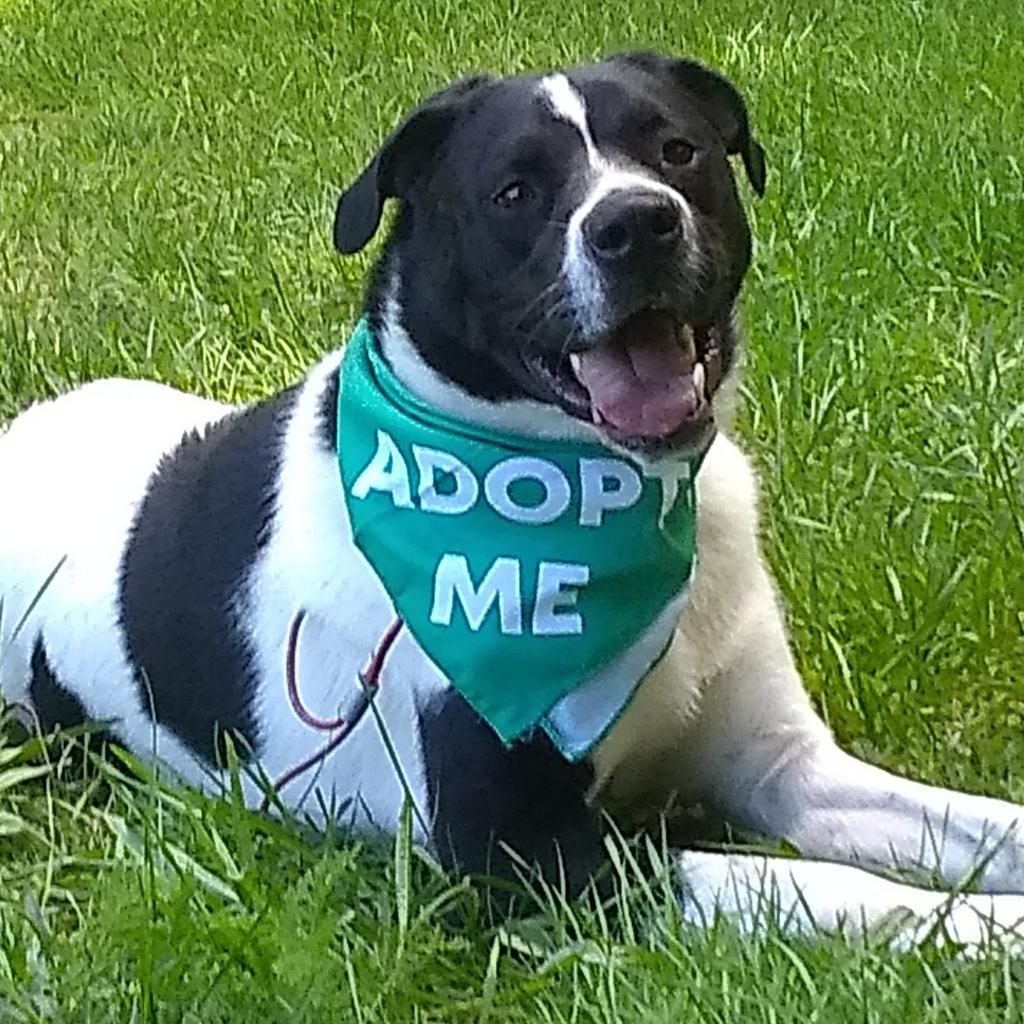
[[678, 152], [512, 194]]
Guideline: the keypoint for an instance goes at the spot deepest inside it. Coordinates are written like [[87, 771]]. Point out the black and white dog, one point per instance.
[[552, 233]]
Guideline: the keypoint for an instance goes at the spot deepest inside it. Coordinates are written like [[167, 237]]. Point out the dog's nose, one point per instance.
[[627, 224]]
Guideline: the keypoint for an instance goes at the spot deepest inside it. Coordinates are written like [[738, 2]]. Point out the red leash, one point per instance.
[[369, 681]]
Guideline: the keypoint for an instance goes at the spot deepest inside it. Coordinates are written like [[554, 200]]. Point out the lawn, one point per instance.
[[167, 178]]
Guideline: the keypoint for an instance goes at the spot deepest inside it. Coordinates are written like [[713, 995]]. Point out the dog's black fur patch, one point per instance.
[[327, 414], [206, 516], [484, 794], [54, 704]]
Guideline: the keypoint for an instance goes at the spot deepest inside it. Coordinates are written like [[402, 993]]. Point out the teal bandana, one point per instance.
[[543, 578]]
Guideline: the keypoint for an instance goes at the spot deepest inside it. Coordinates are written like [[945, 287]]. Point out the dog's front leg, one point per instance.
[[831, 805], [772, 767], [804, 897]]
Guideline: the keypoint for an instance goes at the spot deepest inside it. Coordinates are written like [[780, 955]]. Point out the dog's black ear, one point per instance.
[[721, 102], [405, 154]]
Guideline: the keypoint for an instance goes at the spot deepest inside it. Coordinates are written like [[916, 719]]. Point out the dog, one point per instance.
[[562, 270]]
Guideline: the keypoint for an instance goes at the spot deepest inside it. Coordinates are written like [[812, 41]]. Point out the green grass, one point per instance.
[[167, 174]]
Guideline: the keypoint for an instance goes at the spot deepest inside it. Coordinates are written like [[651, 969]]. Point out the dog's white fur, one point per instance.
[[722, 719]]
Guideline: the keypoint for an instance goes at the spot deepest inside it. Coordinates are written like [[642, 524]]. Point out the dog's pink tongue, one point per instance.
[[641, 382]]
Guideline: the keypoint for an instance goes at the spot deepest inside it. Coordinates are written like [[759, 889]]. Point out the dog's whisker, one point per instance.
[[538, 300]]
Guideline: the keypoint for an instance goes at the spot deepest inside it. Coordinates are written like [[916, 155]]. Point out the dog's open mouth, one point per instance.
[[648, 385]]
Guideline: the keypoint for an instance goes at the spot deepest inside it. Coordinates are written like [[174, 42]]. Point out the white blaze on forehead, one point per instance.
[[567, 104], [585, 279]]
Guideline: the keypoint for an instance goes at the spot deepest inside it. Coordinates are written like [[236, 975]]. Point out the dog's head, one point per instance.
[[574, 239]]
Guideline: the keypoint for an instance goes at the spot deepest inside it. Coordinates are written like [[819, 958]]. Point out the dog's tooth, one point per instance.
[[687, 341], [699, 380], [574, 362], [595, 415]]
